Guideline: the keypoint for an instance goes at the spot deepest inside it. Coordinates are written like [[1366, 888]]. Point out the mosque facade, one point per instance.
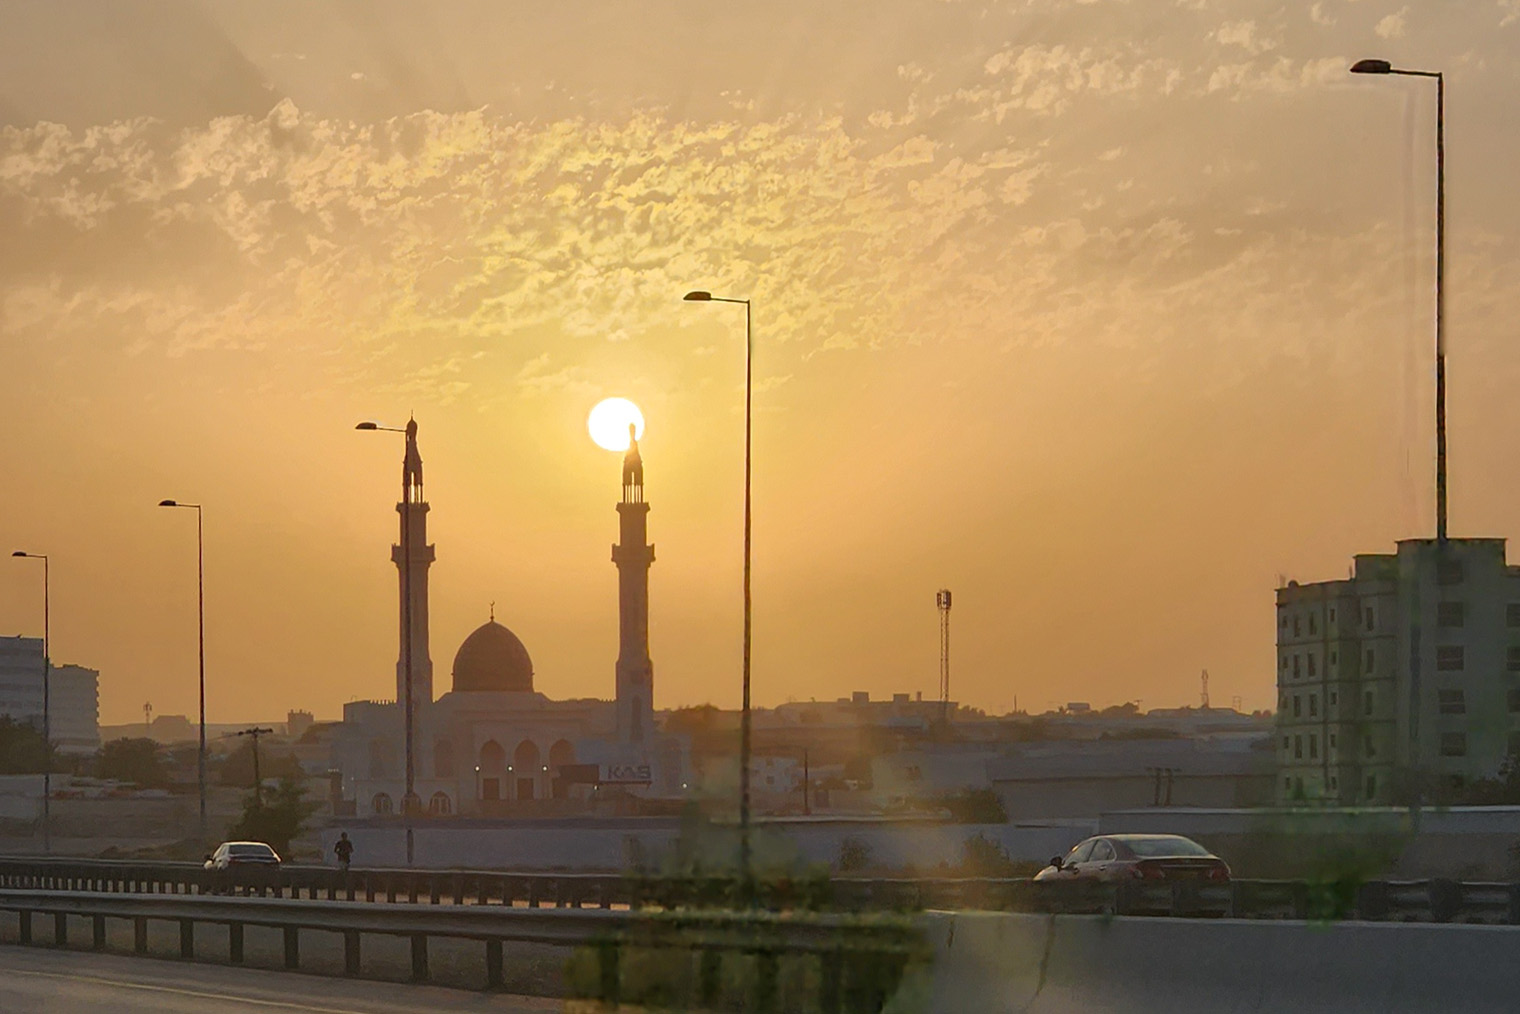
[[494, 744]]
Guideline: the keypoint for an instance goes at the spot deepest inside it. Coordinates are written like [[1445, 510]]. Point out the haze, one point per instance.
[[1102, 314]]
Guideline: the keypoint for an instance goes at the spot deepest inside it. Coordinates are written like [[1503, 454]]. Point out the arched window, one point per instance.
[[443, 759], [560, 754], [381, 804], [440, 805], [493, 759], [525, 769]]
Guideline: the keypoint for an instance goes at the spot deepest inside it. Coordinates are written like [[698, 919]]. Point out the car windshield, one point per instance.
[[261, 851], [1152, 848]]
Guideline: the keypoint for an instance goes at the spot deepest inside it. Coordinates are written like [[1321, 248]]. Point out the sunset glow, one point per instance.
[[609, 421]]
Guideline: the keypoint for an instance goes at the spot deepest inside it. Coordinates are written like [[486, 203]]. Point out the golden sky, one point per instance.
[[1103, 314]]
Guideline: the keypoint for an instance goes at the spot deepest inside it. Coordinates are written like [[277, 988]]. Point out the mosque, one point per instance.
[[494, 744]]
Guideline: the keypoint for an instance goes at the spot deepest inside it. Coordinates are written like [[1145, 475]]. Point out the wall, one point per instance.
[[612, 844], [996, 963]]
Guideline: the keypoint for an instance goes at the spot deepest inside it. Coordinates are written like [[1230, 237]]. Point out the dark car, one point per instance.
[[1117, 858], [244, 855]]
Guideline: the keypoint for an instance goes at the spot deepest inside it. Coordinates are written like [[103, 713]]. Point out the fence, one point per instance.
[[1409, 901], [858, 962]]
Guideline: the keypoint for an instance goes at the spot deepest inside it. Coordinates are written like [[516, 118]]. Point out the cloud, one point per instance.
[[1394, 25]]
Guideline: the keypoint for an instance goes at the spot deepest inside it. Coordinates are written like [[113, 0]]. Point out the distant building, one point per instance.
[[73, 697], [1403, 677], [296, 724]]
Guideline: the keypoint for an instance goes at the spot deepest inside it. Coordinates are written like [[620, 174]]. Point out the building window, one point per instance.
[[1332, 658], [1452, 702], [1450, 614], [1368, 748], [1285, 742], [1313, 670], [1367, 703], [1514, 700], [381, 804], [1287, 783], [1514, 744], [1313, 705], [1332, 614], [1371, 787], [1334, 697], [1297, 703], [1369, 661], [1332, 741], [1313, 747], [1333, 784], [1295, 626], [1512, 615], [440, 805], [1369, 618], [1298, 748], [1295, 667], [1285, 662], [1453, 744], [1312, 630], [1449, 572], [1449, 658], [1512, 660]]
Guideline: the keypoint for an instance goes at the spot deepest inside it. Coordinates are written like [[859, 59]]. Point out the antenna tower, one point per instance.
[[942, 601], [147, 718], [1205, 694]]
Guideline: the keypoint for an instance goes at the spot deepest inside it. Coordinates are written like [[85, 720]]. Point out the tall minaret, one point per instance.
[[635, 672], [413, 510]]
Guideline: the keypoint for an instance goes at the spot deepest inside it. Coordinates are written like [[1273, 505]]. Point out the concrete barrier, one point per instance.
[[1005, 963]]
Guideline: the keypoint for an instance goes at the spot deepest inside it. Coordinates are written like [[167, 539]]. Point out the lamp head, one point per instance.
[[367, 426], [698, 296], [1372, 67], [18, 553], [168, 503]]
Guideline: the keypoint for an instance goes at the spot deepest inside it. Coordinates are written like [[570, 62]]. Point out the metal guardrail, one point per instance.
[[1414, 900], [859, 962]]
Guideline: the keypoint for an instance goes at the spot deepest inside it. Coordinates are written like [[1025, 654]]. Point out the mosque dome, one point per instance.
[[493, 659]]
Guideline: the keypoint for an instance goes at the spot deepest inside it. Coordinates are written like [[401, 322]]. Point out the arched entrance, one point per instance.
[[492, 770], [525, 769]]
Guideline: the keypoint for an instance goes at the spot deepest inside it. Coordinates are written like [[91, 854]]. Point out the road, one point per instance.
[[35, 980]]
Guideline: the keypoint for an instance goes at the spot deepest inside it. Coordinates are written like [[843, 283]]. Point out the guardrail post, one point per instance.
[[533, 895], [187, 938], [235, 943], [767, 967], [24, 931], [830, 969], [493, 964], [140, 935], [433, 891], [709, 980], [483, 892], [1445, 899], [609, 975], [60, 929], [419, 957], [369, 887], [292, 947], [390, 889], [457, 893], [411, 888], [350, 952], [98, 935]]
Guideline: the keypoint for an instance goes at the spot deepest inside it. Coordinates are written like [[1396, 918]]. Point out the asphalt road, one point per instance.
[[35, 980]]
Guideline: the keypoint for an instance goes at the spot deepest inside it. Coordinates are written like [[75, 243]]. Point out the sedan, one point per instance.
[[243, 854], [1116, 858]]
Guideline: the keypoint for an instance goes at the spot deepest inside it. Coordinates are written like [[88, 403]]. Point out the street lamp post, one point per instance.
[[701, 296], [406, 646], [1384, 67], [47, 716], [200, 595]]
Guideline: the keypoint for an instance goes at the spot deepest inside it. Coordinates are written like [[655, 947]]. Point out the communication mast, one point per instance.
[[1205, 694], [942, 601], [148, 719]]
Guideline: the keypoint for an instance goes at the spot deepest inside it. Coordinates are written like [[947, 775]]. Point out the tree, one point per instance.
[[132, 760], [22, 749], [278, 821], [976, 806], [237, 769]]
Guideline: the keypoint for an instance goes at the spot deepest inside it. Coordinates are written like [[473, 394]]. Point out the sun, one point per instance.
[[609, 421]]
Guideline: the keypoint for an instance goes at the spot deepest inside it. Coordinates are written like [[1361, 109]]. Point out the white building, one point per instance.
[[494, 744], [1401, 680], [73, 697]]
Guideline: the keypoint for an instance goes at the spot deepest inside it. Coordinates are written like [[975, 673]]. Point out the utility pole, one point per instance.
[[258, 780], [807, 807], [942, 602]]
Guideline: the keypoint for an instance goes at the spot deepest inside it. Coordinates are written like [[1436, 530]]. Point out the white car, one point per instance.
[[242, 853]]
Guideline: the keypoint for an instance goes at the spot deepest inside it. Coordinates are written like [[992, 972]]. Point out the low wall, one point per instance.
[[594, 845], [997, 963]]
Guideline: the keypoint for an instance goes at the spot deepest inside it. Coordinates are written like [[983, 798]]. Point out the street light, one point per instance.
[[703, 296], [1384, 67], [47, 717], [200, 579], [408, 798]]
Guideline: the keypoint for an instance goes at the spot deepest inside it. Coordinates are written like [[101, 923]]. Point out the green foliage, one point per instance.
[[22, 749], [237, 769], [976, 806], [278, 821], [854, 854], [1144, 732], [1501, 790], [133, 760]]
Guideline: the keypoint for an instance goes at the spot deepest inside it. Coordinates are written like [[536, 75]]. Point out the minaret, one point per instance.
[[413, 510], [635, 672]]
